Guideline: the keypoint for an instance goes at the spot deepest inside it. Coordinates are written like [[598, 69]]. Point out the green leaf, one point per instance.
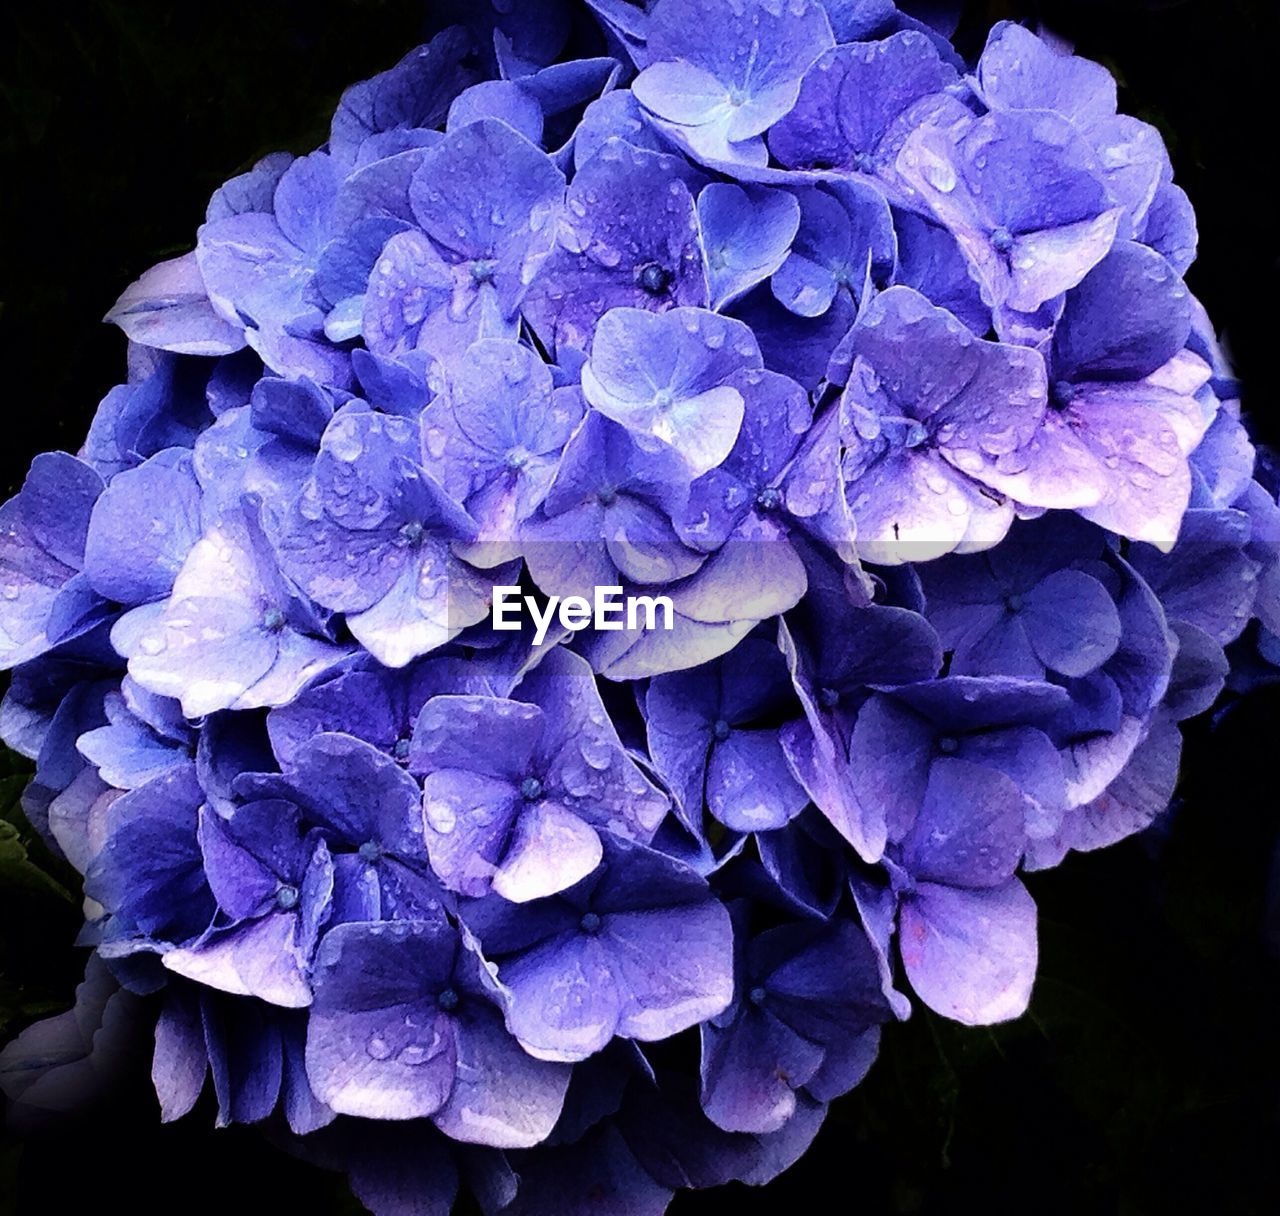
[[18, 873], [22, 1004]]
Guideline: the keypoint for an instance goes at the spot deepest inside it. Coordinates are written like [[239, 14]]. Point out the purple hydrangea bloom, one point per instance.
[[273, 882], [404, 1026], [1024, 195], [142, 528], [1126, 395], [870, 90], [966, 926], [610, 515], [259, 269], [42, 553], [667, 379], [1025, 608], [233, 632], [844, 243], [372, 535], [866, 375], [994, 726], [747, 233], [496, 433], [725, 73], [805, 1016], [1019, 71], [144, 737], [368, 812], [705, 741], [629, 239], [485, 202], [516, 792], [639, 948], [379, 706], [837, 650], [933, 444]]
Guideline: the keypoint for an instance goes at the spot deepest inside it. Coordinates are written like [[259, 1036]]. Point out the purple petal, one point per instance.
[[970, 955]]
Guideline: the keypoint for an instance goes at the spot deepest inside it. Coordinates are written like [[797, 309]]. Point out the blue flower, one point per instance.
[[639, 948], [724, 73], [516, 792], [629, 239], [372, 535], [874, 366], [707, 738], [667, 378], [405, 1025], [805, 1017]]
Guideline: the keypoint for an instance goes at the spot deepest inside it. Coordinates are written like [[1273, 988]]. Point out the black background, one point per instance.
[[1145, 1079]]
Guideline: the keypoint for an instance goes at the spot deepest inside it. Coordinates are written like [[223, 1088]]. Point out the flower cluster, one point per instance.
[[878, 365]]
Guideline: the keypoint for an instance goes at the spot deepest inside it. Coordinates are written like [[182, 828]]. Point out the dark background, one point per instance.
[[1146, 1078]]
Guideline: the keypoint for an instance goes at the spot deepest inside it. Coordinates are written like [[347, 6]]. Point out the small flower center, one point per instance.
[[590, 922], [948, 745], [517, 458], [654, 279], [863, 163], [286, 896], [757, 996], [828, 698], [273, 620], [1013, 602], [607, 497], [722, 730], [531, 789], [1002, 240], [911, 432], [769, 499], [412, 532], [1064, 392], [370, 851], [482, 270], [400, 749], [664, 399], [447, 1000]]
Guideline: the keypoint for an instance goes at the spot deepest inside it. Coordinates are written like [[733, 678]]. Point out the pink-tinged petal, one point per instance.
[[1137, 796], [168, 308], [970, 955], [751, 1070], [1147, 478]]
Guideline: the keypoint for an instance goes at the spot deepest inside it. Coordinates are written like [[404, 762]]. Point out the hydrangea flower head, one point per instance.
[[869, 374]]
